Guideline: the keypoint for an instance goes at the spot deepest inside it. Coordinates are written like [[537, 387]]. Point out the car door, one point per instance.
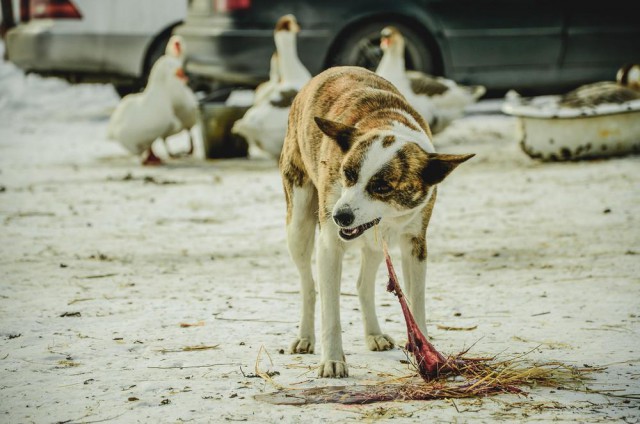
[[601, 37], [498, 42]]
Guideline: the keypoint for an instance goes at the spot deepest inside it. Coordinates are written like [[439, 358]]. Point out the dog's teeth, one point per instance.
[[355, 232]]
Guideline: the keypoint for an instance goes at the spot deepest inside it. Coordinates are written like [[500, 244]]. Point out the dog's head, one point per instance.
[[385, 175]]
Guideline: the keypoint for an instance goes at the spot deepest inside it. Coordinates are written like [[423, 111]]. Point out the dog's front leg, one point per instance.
[[414, 272], [301, 229], [330, 254]]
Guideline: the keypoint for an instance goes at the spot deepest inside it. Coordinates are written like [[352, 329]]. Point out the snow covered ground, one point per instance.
[[131, 294]]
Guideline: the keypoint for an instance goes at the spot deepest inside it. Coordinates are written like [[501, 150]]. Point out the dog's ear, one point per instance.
[[342, 134], [440, 165]]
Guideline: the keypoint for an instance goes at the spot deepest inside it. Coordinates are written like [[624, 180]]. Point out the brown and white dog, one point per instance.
[[356, 155]]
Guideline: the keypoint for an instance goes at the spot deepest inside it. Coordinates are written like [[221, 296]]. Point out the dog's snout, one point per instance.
[[344, 216]]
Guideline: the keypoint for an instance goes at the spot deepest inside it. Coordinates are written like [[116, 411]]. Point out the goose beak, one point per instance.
[[181, 75], [177, 48]]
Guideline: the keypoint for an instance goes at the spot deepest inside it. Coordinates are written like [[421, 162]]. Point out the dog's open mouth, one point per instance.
[[352, 233]]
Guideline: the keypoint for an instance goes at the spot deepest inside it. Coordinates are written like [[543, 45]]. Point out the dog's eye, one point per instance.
[[381, 188], [351, 175]]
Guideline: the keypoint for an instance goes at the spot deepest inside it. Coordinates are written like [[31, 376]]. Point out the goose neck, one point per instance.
[[291, 68]]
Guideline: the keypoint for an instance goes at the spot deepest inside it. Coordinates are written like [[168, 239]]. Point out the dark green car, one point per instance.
[[543, 45]]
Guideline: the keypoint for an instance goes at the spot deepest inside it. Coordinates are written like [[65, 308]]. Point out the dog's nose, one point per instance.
[[344, 216]]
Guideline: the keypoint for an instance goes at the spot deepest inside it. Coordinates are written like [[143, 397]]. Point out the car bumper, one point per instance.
[[238, 56], [38, 47]]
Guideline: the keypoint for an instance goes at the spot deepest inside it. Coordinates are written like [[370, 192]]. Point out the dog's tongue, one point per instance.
[[430, 361]]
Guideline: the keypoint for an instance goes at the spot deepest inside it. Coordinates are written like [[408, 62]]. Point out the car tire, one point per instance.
[[361, 47]]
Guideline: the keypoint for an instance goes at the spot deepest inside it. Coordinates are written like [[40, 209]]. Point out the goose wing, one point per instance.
[[596, 94], [426, 84]]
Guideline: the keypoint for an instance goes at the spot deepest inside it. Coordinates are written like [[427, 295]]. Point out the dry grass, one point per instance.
[[196, 348], [467, 378]]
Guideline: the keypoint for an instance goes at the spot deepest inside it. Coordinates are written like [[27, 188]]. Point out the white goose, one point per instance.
[[604, 97], [265, 124], [141, 118], [625, 89], [185, 103], [439, 100]]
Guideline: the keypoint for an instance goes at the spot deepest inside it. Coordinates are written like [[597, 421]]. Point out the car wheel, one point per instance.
[[361, 47]]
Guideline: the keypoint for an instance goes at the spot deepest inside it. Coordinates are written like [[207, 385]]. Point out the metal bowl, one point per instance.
[[552, 133], [217, 119]]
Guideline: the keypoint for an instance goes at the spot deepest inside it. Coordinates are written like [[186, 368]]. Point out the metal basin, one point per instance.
[[217, 119], [560, 134]]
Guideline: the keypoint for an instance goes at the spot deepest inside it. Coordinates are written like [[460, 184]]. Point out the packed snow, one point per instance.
[[132, 294]]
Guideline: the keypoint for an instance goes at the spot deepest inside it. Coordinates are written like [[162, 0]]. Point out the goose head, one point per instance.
[[287, 23], [285, 34], [629, 76], [392, 41], [176, 47], [167, 71]]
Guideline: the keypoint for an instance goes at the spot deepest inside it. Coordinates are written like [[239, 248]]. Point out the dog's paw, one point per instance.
[[303, 345], [379, 342], [333, 369]]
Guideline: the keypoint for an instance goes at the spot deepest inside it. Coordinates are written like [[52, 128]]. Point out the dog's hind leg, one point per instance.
[[301, 227], [366, 293]]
